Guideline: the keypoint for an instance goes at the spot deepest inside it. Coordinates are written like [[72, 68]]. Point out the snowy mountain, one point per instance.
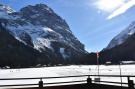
[[122, 37], [40, 28], [121, 48]]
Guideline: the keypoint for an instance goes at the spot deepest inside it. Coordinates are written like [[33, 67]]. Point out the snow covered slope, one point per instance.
[[41, 28], [121, 37], [4, 11]]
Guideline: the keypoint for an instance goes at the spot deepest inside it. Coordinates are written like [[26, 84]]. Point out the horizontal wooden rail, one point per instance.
[[66, 77], [81, 81], [42, 77], [66, 82], [110, 82], [18, 85]]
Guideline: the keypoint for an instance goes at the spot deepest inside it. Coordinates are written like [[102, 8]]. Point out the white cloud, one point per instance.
[[108, 5], [114, 7], [122, 9]]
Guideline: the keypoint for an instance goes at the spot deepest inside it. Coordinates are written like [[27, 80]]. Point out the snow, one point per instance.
[[41, 43], [62, 51], [37, 34], [6, 9], [64, 71], [128, 62], [46, 29], [4, 15]]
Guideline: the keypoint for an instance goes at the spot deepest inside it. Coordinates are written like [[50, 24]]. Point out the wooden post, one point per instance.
[[41, 84], [89, 80], [130, 83], [120, 73]]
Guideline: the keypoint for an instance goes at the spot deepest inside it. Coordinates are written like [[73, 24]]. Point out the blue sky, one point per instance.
[[93, 22]]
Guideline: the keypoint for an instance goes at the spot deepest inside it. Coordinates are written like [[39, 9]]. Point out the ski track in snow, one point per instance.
[[64, 71]]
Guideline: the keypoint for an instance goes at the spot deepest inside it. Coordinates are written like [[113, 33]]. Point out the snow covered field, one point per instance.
[[64, 71]]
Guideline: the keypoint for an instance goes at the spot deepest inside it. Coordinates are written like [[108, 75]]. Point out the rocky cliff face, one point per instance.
[[40, 28]]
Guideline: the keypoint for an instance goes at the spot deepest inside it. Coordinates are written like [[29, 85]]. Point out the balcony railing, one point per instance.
[[89, 79]]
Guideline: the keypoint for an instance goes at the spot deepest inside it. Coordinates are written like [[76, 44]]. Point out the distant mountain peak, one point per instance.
[[37, 8], [122, 36], [6, 8]]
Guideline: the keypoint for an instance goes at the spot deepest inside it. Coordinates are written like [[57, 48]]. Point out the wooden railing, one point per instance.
[[88, 79]]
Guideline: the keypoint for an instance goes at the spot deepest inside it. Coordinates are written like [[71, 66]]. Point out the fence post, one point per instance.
[[89, 80], [41, 84], [130, 83]]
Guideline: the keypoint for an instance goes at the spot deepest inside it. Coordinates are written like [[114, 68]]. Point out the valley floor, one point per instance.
[[64, 71]]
